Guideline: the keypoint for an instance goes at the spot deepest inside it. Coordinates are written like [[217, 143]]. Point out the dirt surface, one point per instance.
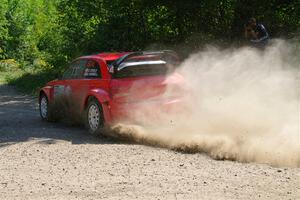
[[42, 160]]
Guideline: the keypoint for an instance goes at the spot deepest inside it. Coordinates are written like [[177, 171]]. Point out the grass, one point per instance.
[[27, 81], [3, 78], [27, 78], [30, 82], [7, 76]]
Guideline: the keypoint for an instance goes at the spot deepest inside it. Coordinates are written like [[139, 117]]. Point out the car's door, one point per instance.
[[74, 87], [62, 86], [87, 77], [93, 76]]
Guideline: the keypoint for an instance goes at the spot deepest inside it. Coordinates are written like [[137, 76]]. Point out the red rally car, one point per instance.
[[108, 87]]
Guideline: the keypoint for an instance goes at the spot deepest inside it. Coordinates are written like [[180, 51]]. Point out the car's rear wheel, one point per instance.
[[44, 107], [94, 120]]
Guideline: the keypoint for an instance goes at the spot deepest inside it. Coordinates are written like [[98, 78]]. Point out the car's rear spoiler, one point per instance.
[[166, 55]]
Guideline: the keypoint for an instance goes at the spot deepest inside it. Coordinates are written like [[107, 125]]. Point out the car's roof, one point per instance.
[[111, 56], [106, 56]]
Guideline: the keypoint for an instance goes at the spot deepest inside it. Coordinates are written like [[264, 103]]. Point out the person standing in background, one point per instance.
[[256, 33]]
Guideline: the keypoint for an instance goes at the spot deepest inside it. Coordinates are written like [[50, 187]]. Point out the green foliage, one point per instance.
[[8, 65], [3, 29], [26, 24], [44, 35], [119, 25]]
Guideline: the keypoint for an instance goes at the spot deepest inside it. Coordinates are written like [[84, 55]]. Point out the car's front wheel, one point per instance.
[[94, 120], [44, 107]]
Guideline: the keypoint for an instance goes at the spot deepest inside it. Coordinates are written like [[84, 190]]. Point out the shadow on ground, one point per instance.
[[20, 122]]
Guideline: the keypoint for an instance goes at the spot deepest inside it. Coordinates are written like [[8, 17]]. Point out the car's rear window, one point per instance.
[[109, 62], [150, 64], [142, 70]]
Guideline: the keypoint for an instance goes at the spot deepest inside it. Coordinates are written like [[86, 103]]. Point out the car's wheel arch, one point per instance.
[[45, 91], [101, 95], [42, 93], [102, 102], [92, 104]]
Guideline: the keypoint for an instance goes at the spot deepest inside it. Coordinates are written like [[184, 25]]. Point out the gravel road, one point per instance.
[[41, 160]]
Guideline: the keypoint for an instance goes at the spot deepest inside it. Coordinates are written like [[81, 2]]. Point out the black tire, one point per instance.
[[94, 122], [44, 107]]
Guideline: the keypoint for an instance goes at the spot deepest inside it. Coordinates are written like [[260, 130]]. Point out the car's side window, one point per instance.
[[68, 73], [78, 69], [92, 70], [75, 70]]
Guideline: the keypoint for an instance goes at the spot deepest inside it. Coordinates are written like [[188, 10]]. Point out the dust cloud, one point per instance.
[[241, 104]]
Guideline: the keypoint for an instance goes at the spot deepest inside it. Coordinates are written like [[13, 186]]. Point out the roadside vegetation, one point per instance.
[[39, 37]]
